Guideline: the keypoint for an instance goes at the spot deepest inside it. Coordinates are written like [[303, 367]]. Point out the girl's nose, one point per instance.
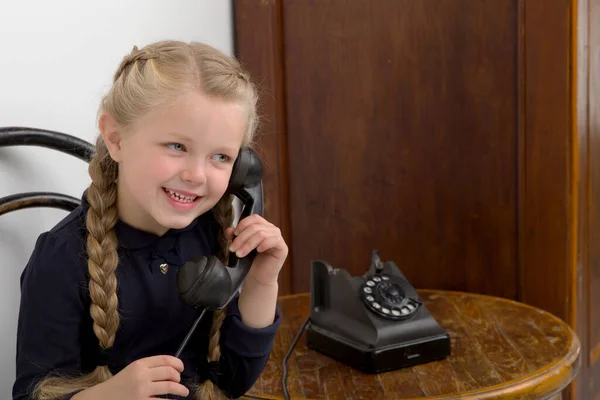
[[195, 173]]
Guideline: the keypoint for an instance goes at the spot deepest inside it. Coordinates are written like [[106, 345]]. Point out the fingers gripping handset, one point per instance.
[[206, 283]]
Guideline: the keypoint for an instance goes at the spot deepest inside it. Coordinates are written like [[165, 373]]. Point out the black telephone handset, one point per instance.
[[204, 282]]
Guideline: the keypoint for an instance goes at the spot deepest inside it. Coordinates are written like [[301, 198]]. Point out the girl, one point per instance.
[[100, 316]]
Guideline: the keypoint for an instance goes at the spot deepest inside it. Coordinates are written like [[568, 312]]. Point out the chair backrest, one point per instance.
[[71, 145], [19, 136]]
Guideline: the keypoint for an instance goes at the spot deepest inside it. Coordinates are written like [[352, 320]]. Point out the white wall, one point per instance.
[[56, 61]]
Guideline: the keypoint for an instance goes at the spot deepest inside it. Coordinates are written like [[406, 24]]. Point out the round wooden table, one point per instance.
[[501, 349]]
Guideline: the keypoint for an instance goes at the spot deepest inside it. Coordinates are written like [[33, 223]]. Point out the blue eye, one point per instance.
[[176, 146], [221, 158]]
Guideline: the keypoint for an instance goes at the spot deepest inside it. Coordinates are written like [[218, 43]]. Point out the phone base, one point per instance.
[[373, 323], [372, 360]]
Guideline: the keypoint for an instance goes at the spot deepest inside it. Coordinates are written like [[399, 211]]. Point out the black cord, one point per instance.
[[289, 353], [186, 339], [189, 334], [286, 394], [285, 359]]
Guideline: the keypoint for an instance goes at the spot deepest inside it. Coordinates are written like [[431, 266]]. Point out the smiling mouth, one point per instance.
[[179, 197]]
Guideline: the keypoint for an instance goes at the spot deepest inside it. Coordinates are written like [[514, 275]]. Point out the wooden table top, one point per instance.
[[501, 349]]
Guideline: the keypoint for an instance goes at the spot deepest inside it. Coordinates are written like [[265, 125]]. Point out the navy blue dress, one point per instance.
[[55, 335]]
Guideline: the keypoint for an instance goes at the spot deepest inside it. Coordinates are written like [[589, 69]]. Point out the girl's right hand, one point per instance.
[[141, 380]]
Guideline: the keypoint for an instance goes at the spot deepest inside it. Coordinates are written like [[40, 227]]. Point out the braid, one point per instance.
[[102, 252], [102, 246], [135, 55], [223, 212]]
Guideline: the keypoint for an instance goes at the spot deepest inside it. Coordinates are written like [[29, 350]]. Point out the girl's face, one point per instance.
[[175, 162]]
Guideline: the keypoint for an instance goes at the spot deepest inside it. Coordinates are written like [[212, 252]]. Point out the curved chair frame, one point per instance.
[[68, 144]]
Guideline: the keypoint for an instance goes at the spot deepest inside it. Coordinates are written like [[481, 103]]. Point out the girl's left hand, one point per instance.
[[255, 232]]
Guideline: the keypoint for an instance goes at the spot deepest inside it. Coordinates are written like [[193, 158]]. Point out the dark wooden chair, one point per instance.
[[65, 143]]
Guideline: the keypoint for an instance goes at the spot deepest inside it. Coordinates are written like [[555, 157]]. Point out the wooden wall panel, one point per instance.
[[580, 96], [582, 387], [402, 135], [592, 277], [547, 184], [258, 33]]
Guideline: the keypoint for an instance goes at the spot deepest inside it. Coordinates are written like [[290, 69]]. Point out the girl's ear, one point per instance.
[[111, 134]]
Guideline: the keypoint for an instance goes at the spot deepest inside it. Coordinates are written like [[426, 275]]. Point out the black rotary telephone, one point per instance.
[[374, 322], [205, 282]]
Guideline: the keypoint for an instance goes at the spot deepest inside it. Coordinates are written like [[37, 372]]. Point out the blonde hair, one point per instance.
[[146, 79]]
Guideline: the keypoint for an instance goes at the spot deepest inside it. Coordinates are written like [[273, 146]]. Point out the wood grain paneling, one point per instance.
[[546, 215], [402, 137], [593, 268], [258, 33], [580, 96]]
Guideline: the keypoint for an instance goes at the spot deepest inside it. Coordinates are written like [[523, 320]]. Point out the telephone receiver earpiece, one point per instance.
[[205, 282]]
